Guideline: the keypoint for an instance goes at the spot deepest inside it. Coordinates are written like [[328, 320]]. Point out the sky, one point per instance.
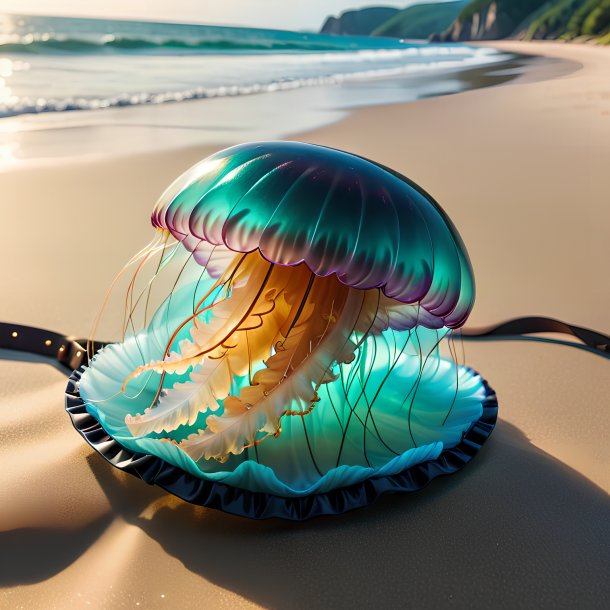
[[283, 14]]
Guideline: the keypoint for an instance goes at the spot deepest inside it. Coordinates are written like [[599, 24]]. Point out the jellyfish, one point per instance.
[[303, 360]]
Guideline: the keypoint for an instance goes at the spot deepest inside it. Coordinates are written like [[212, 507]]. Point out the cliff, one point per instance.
[[358, 22], [421, 20], [464, 20], [489, 19], [566, 19]]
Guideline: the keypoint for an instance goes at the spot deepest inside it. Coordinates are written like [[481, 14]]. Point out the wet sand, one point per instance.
[[522, 169]]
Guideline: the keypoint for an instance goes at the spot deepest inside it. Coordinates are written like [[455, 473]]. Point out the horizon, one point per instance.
[[233, 13]]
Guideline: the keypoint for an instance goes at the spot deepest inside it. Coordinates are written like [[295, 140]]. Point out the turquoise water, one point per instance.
[[52, 64]]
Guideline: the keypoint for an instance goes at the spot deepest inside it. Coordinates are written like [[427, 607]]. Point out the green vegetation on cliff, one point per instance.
[[569, 19], [420, 20], [566, 19]]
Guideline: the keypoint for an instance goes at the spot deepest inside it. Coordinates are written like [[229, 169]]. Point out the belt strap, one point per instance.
[[519, 327], [71, 352]]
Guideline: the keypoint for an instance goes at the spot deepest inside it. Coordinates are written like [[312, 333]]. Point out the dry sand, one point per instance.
[[523, 170]]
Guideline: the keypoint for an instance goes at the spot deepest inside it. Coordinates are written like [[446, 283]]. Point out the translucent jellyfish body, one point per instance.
[[294, 367]]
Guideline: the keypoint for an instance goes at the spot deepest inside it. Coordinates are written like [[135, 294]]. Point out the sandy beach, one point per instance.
[[522, 170]]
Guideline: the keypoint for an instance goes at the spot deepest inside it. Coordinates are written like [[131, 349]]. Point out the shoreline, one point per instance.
[[521, 169], [49, 138]]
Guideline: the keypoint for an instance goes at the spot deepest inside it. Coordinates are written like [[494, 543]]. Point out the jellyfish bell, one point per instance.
[[296, 369]]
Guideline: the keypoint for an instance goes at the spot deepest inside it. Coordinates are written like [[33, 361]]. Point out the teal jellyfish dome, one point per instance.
[[302, 360], [336, 212]]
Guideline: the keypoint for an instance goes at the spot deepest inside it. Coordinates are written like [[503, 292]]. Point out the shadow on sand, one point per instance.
[[32, 555], [516, 528]]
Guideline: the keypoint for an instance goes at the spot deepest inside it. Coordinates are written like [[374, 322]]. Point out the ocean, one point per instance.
[[53, 64]]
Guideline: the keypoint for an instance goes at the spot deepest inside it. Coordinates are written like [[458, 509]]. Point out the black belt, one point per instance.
[[71, 352], [518, 328]]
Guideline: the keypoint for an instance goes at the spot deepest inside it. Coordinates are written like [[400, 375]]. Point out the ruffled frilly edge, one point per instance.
[[259, 505]]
